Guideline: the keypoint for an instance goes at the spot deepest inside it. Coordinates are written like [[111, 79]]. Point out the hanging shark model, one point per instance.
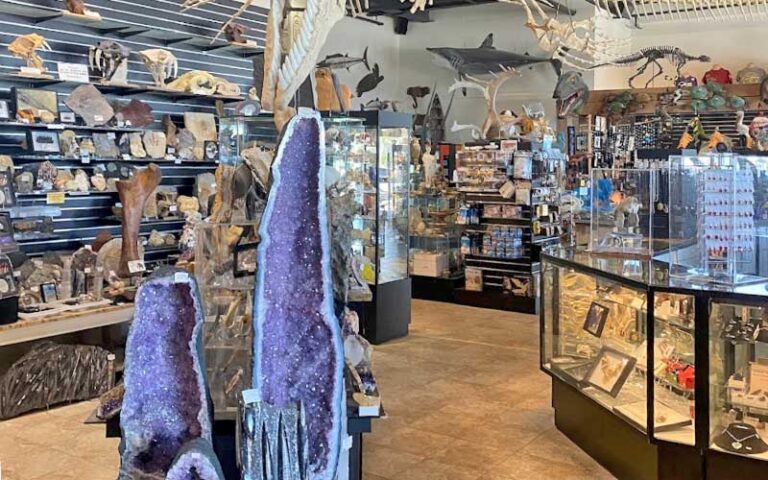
[[485, 59]]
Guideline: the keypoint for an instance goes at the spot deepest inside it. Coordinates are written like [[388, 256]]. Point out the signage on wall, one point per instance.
[[73, 72]]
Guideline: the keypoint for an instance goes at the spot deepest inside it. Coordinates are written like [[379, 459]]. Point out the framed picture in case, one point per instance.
[[610, 371], [596, 317], [44, 141], [5, 110]]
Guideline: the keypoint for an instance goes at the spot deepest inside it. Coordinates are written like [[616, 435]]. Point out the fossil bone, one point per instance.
[[133, 193], [495, 123], [107, 57], [26, 46]]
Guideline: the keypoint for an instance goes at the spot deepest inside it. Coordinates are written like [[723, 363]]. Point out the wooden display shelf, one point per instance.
[[63, 323]]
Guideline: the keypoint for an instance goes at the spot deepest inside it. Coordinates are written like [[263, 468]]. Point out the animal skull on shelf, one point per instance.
[[26, 46], [107, 57], [285, 71], [162, 64], [578, 43], [495, 123]]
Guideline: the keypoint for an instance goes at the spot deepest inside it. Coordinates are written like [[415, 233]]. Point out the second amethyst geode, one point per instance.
[[298, 352], [166, 400]]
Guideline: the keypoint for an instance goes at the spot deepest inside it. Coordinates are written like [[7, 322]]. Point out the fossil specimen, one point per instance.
[[290, 364], [105, 145], [137, 145], [88, 102], [133, 193], [26, 46], [651, 56], [50, 374], [109, 57], [165, 419], [234, 33], [68, 144], [162, 64], [196, 81], [136, 114], [154, 144]]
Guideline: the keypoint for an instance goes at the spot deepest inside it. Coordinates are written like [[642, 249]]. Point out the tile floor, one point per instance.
[[463, 392]]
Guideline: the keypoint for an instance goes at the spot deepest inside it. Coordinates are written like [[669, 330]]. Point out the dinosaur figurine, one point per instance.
[[571, 94], [652, 55]]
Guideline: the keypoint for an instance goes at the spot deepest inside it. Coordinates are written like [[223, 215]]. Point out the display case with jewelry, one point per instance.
[[666, 366], [716, 216], [622, 206]]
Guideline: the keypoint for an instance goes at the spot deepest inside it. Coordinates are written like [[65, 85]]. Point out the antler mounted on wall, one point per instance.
[[495, 123]]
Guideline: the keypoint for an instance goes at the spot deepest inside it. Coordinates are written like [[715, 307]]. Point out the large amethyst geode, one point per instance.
[[298, 352], [166, 401]]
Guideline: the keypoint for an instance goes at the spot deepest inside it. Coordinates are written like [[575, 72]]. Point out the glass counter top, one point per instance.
[[648, 272]]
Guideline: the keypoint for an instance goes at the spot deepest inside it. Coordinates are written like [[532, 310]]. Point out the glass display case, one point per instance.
[[225, 264], [383, 223], [238, 133], [435, 236], [716, 214], [622, 204], [672, 371]]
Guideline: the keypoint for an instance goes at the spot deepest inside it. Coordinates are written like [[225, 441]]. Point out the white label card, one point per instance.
[[73, 72], [251, 395], [180, 277], [136, 266]]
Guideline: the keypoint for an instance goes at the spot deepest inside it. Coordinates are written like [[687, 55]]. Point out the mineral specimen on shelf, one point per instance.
[[47, 117], [156, 239], [63, 177], [234, 32], [186, 205], [105, 145], [150, 206], [81, 181], [165, 406], [136, 114], [50, 374], [195, 81], [6, 163], [26, 115], [202, 125], [298, 354], [86, 145], [185, 144], [170, 239], [137, 146], [88, 102], [108, 256], [36, 100], [110, 60], [154, 144], [46, 174], [68, 144], [169, 128], [111, 402], [25, 182], [84, 257], [205, 186], [133, 193], [112, 184]]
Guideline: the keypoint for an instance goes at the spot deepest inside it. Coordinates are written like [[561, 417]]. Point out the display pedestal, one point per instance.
[[617, 446], [435, 288], [388, 316]]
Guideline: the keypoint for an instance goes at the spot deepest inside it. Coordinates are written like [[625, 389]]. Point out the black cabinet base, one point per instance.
[[620, 448], [496, 300], [388, 316], [437, 289]]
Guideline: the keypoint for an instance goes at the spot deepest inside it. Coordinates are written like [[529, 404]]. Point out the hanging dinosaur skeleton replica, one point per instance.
[[681, 11]]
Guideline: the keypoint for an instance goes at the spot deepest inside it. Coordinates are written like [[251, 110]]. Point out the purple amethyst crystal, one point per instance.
[[166, 401], [196, 461], [298, 352]]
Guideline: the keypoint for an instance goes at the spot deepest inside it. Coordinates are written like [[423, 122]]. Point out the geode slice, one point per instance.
[[196, 461], [166, 400], [298, 354]]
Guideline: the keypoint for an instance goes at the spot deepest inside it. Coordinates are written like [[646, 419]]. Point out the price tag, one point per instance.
[[87, 270], [180, 277], [127, 123], [126, 156], [172, 208], [17, 273], [118, 205], [98, 118], [177, 161], [56, 127], [85, 156], [120, 123], [136, 266], [171, 150], [111, 135], [251, 395], [55, 198]]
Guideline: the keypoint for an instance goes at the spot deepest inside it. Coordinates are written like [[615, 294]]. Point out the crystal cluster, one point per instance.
[[298, 352], [166, 402]]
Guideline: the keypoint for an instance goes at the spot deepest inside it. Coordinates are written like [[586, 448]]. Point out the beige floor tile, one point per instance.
[[463, 393]]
